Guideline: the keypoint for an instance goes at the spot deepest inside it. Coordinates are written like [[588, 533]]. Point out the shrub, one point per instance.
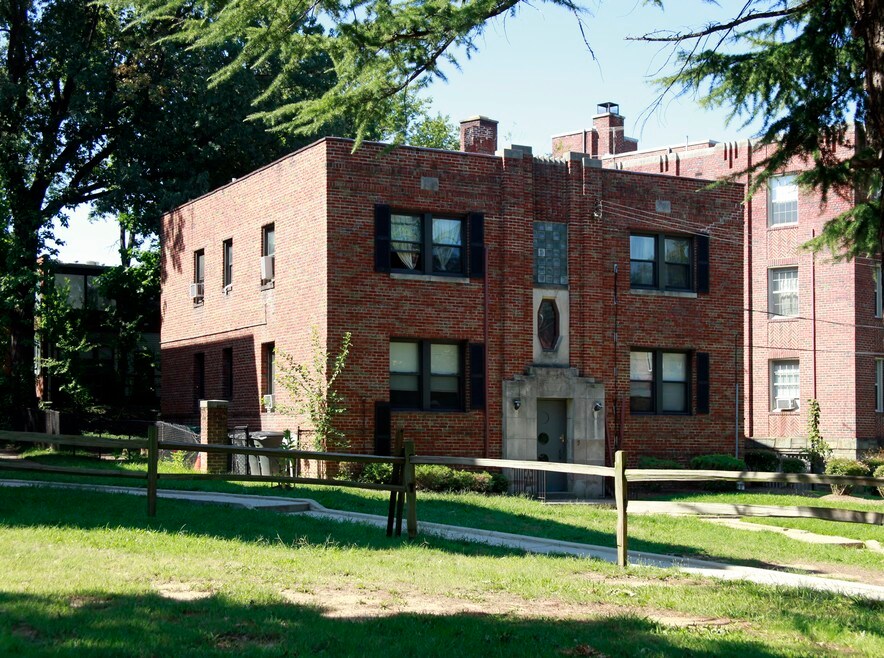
[[371, 473], [376, 473], [845, 467], [879, 473], [762, 460], [718, 463], [793, 465], [500, 484], [443, 478], [874, 459], [656, 462]]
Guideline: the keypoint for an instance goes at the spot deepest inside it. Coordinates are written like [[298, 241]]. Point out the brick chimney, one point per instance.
[[608, 124], [478, 134]]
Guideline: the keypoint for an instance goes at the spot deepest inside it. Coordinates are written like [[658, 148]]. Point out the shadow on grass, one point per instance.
[[151, 625], [430, 509], [46, 507]]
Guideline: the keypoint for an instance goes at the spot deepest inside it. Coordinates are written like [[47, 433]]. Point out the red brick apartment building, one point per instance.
[[499, 304], [813, 328]]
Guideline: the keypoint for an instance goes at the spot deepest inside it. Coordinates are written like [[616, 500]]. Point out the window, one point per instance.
[[783, 201], [228, 263], [426, 244], [548, 325], [783, 291], [551, 253], [415, 243], [879, 385], [785, 385], [197, 290], [227, 373], [659, 382], [268, 357], [199, 378], [661, 262], [879, 291], [268, 253], [426, 375], [76, 288]]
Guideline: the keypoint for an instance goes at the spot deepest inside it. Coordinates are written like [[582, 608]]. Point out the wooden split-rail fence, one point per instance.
[[402, 489]]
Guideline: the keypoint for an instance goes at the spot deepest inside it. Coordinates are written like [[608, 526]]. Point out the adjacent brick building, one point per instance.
[[495, 305], [813, 328]]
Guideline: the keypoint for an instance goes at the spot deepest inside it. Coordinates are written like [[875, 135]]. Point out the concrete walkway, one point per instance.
[[529, 544]]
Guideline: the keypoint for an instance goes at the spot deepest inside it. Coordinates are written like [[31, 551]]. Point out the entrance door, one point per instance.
[[551, 423]]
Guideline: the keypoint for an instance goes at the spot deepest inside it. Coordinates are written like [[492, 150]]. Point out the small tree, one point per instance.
[[818, 451], [60, 326], [312, 388]]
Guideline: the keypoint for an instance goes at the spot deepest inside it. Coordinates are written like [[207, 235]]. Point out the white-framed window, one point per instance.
[[782, 201], [783, 291], [879, 385], [785, 385], [879, 293]]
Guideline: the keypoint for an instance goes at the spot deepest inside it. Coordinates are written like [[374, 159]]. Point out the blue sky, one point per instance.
[[534, 74]]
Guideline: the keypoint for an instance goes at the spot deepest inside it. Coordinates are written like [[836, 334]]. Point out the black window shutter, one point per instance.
[[702, 243], [477, 244], [381, 238], [702, 382], [477, 376], [382, 428]]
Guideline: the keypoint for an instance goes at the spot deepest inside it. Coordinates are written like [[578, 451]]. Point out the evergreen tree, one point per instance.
[[809, 69], [377, 48]]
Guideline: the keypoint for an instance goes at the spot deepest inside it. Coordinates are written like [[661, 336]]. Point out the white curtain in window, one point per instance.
[[784, 289], [786, 380], [405, 238]]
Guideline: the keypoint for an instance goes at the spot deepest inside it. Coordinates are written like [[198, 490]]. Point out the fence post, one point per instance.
[[153, 457], [394, 515], [410, 492], [621, 497]]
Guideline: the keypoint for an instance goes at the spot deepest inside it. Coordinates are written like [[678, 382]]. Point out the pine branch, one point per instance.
[[724, 27]]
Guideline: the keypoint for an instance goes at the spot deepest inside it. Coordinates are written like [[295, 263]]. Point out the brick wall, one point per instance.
[[289, 194]]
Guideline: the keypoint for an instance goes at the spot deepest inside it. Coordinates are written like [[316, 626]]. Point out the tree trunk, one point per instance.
[[22, 262]]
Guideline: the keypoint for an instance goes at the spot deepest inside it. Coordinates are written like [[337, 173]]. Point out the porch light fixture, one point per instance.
[[517, 403]]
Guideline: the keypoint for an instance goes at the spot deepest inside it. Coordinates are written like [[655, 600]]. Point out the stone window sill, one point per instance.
[[663, 293], [462, 280]]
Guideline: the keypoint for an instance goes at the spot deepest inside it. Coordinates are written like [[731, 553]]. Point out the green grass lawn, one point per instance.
[[85, 573], [682, 536]]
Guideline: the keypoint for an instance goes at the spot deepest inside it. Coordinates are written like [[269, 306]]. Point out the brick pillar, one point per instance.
[[213, 430]]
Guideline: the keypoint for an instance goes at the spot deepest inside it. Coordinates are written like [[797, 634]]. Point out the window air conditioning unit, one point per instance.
[[268, 402], [196, 290], [785, 404], [267, 267]]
